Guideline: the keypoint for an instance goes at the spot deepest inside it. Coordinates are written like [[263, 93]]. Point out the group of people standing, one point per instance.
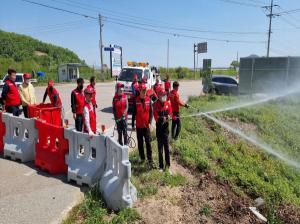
[[12, 96], [159, 102]]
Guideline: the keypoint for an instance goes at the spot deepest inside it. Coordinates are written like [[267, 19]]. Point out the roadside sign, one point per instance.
[[207, 64], [115, 60], [108, 49], [202, 47]]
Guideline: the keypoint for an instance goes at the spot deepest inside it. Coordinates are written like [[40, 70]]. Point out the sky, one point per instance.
[[143, 28]]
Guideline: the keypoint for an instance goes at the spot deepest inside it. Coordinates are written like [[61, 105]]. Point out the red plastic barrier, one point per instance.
[[2, 133], [46, 112], [51, 148]]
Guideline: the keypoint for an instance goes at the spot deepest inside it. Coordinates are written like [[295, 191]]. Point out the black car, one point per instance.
[[222, 84]]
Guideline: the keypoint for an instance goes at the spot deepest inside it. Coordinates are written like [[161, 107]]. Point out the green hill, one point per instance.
[[27, 54]]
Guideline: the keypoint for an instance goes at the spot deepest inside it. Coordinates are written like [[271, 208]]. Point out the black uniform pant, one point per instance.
[[162, 135], [25, 111], [122, 132], [79, 122], [13, 110], [141, 134], [176, 125]]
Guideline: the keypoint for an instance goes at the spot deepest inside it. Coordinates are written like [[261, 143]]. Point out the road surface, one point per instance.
[[28, 195]]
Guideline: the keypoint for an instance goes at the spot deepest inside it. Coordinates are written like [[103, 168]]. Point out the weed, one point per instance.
[[205, 210]]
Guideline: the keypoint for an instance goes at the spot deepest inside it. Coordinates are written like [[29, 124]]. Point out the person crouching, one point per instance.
[[120, 109], [89, 114]]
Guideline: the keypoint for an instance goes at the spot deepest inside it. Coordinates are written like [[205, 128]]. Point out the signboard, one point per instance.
[[116, 61], [206, 64], [108, 49], [202, 48]]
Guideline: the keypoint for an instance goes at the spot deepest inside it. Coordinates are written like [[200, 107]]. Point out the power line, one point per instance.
[[60, 9], [182, 28], [171, 27], [143, 28], [241, 3], [184, 35]]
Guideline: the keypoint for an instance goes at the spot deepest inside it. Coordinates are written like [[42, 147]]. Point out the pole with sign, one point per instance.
[[116, 63], [200, 48]]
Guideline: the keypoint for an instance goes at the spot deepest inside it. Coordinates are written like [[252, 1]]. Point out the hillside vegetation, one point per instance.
[[27, 54]]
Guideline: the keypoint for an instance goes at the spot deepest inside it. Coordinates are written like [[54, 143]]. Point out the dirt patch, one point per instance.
[[289, 214], [202, 200]]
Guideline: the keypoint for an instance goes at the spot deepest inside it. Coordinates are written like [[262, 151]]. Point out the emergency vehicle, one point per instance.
[[142, 70]]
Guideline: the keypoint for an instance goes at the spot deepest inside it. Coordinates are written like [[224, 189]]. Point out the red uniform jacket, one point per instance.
[[13, 96], [142, 112], [51, 97], [162, 109], [120, 106], [94, 95], [79, 101], [167, 85], [92, 116], [175, 101]]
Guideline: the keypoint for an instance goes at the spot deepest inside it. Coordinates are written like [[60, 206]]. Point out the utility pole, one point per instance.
[[194, 51], [271, 16], [168, 47], [101, 43]]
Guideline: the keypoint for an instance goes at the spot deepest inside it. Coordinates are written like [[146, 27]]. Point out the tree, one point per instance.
[[235, 64]]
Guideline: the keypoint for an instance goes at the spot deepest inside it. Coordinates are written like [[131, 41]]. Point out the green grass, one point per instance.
[[204, 146], [205, 210], [92, 210], [277, 123], [148, 180]]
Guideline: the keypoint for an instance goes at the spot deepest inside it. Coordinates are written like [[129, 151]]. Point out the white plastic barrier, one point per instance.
[[86, 159], [115, 186], [20, 138]]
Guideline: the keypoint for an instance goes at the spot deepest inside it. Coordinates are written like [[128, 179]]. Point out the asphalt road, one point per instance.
[[28, 195]]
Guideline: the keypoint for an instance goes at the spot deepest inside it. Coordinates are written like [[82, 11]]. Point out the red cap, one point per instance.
[[120, 85], [162, 92], [50, 83], [89, 90], [26, 76], [142, 86]]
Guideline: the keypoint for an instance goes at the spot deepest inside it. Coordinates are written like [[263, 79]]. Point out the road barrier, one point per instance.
[[46, 112], [86, 159], [51, 148], [20, 138], [115, 184], [2, 133]]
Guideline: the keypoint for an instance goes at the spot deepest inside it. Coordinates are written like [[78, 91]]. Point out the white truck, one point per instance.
[[142, 70]]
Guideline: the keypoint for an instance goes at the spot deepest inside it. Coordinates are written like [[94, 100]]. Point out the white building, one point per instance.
[[68, 72]]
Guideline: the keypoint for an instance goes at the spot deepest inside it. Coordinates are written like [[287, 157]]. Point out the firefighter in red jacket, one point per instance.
[[157, 86], [120, 109], [53, 95], [162, 112], [10, 94], [89, 115], [77, 104], [143, 114], [167, 84], [176, 104], [135, 85], [92, 85]]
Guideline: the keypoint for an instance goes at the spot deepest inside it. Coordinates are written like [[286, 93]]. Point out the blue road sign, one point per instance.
[[108, 49]]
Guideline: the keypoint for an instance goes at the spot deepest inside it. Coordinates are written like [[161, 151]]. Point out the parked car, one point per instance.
[[222, 84]]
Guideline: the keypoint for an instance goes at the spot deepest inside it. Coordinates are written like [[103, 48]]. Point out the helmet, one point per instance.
[[120, 85], [26, 76], [89, 90], [50, 83], [142, 86]]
